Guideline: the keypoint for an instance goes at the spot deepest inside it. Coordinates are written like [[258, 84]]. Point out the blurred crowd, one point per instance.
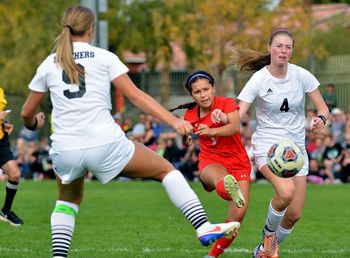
[[328, 151]]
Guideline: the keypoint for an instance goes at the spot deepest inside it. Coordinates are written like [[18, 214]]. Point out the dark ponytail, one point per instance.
[[191, 79], [189, 105]]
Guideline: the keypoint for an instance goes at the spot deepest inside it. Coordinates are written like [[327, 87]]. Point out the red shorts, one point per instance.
[[240, 171]]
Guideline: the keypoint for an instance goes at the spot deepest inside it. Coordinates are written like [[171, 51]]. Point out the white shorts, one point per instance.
[[105, 162], [260, 161]]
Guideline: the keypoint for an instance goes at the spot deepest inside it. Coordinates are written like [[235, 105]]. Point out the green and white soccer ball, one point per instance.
[[285, 158]]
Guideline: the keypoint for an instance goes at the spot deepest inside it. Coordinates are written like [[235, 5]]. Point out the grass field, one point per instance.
[[136, 219]]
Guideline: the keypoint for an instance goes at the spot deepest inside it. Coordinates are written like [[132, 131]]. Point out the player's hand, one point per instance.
[[183, 127], [40, 117], [8, 128], [187, 140], [3, 115], [203, 129], [217, 116], [317, 125]]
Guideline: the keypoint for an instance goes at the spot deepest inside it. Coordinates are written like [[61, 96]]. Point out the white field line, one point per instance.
[[172, 250]]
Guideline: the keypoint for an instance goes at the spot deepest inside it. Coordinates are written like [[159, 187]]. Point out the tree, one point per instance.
[[28, 30], [207, 29]]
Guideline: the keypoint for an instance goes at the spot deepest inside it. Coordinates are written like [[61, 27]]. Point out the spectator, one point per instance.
[[332, 158], [149, 139], [345, 165], [127, 126], [337, 125], [330, 97], [138, 131], [315, 175], [189, 162]]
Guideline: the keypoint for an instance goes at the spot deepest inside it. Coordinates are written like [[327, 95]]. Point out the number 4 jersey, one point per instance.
[[279, 105], [81, 113]]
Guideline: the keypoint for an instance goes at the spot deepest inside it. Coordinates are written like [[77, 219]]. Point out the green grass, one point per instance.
[[136, 219]]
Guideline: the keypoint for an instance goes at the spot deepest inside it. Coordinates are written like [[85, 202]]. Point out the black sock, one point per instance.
[[11, 189]]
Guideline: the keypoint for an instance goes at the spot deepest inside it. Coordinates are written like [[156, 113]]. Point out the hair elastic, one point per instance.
[[197, 75]]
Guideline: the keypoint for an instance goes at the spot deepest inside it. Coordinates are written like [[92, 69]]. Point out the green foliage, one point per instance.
[[325, 41], [28, 30], [136, 219], [330, 1]]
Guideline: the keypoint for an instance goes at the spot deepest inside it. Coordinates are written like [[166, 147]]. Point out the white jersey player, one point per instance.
[[85, 137], [280, 109], [278, 89]]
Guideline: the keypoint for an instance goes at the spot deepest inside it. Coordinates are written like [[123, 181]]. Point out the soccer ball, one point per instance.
[[285, 158]]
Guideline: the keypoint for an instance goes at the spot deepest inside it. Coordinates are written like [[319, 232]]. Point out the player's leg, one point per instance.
[[235, 214], [11, 169], [145, 163], [294, 211], [69, 171], [64, 214], [215, 176], [284, 193]]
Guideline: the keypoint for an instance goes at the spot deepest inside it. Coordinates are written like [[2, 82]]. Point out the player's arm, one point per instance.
[[232, 127], [243, 108], [149, 105], [8, 128], [33, 120], [322, 111]]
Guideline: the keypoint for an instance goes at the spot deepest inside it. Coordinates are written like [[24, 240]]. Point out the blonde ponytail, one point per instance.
[[76, 21]]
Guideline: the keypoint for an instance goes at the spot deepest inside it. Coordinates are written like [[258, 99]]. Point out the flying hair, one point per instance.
[[251, 60]]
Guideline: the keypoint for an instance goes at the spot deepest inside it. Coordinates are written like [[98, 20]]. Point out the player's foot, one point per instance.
[[258, 253], [208, 233], [232, 188], [271, 245], [209, 256], [11, 217]]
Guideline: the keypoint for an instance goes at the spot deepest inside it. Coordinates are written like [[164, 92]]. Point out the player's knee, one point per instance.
[[286, 195], [14, 175], [294, 216]]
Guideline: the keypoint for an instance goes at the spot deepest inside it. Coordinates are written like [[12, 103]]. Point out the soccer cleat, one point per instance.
[[209, 256], [212, 232], [11, 217], [271, 245], [258, 253], [232, 188]]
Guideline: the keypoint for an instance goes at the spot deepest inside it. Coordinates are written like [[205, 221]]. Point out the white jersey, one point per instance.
[[279, 105], [81, 115]]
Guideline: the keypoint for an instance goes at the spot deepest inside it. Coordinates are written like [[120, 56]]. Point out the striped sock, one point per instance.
[[184, 198], [62, 226]]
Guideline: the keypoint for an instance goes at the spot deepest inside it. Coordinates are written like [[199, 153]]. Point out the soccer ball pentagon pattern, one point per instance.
[[285, 158]]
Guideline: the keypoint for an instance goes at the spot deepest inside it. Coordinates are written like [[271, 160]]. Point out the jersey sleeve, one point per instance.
[[116, 67], [309, 81], [39, 82], [249, 91], [229, 105]]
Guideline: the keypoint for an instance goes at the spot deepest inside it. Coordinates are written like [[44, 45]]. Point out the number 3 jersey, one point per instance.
[[225, 150], [279, 105], [81, 113]]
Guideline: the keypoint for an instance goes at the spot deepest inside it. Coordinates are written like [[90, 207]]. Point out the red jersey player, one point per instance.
[[223, 162]]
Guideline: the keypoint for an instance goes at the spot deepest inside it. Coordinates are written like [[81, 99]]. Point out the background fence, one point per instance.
[[334, 69]]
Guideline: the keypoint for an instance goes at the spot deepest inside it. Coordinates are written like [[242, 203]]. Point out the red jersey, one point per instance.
[[227, 151]]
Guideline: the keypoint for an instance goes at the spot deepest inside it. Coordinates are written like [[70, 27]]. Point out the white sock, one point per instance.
[[282, 233], [184, 198], [62, 227], [273, 219]]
